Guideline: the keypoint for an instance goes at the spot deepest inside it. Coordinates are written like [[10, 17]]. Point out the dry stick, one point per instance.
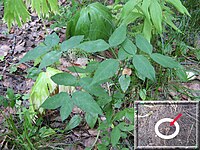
[[189, 134]]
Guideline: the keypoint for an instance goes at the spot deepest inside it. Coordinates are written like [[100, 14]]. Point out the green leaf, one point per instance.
[[143, 94], [130, 114], [42, 89], [45, 132], [94, 46], [64, 79], [168, 19], [55, 101], [145, 8], [118, 36], [94, 21], [147, 29], [156, 15], [179, 6], [125, 127], [143, 44], [73, 123], [35, 53], [91, 119], [144, 67], [71, 43], [11, 95], [128, 8], [115, 136], [124, 82], [85, 101], [105, 70], [129, 47], [181, 74], [122, 54], [50, 58], [93, 89], [52, 40], [59, 100], [164, 61], [66, 108]]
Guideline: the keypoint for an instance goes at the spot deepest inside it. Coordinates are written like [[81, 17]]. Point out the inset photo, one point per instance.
[[167, 125]]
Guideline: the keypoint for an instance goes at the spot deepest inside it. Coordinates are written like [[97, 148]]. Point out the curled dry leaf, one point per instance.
[[127, 71], [4, 49]]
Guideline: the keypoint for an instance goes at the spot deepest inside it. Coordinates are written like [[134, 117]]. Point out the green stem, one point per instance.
[[96, 139]]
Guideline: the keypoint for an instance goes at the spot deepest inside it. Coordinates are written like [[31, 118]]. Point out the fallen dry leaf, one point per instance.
[[127, 71]]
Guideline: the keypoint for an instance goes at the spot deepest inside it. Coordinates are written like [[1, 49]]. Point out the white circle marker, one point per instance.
[[167, 136]]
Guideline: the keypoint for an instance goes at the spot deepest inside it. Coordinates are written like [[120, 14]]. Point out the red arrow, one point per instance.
[[175, 119]]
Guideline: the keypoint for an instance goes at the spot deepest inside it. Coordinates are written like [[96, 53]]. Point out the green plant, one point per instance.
[[93, 99], [93, 21], [17, 10], [155, 14]]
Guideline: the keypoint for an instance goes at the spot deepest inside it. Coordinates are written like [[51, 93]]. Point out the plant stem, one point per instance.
[[96, 139]]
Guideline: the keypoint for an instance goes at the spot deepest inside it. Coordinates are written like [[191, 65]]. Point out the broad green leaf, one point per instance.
[[86, 102], [77, 69], [73, 123], [35, 53], [129, 47], [143, 44], [105, 70], [122, 54], [64, 79], [131, 17], [181, 74], [94, 22], [119, 115], [91, 119], [115, 136], [118, 36], [147, 29], [179, 6], [71, 43], [50, 58], [66, 108], [128, 8], [130, 114], [164, 61], [55, 101], [125, 127], [156, 15], [90, 68], [52, 40], [145, 8], [94, 46], [124, 82], [102, 101], [143, 94], [42, 89], [94, 89], [144, 67], [59, 100]]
